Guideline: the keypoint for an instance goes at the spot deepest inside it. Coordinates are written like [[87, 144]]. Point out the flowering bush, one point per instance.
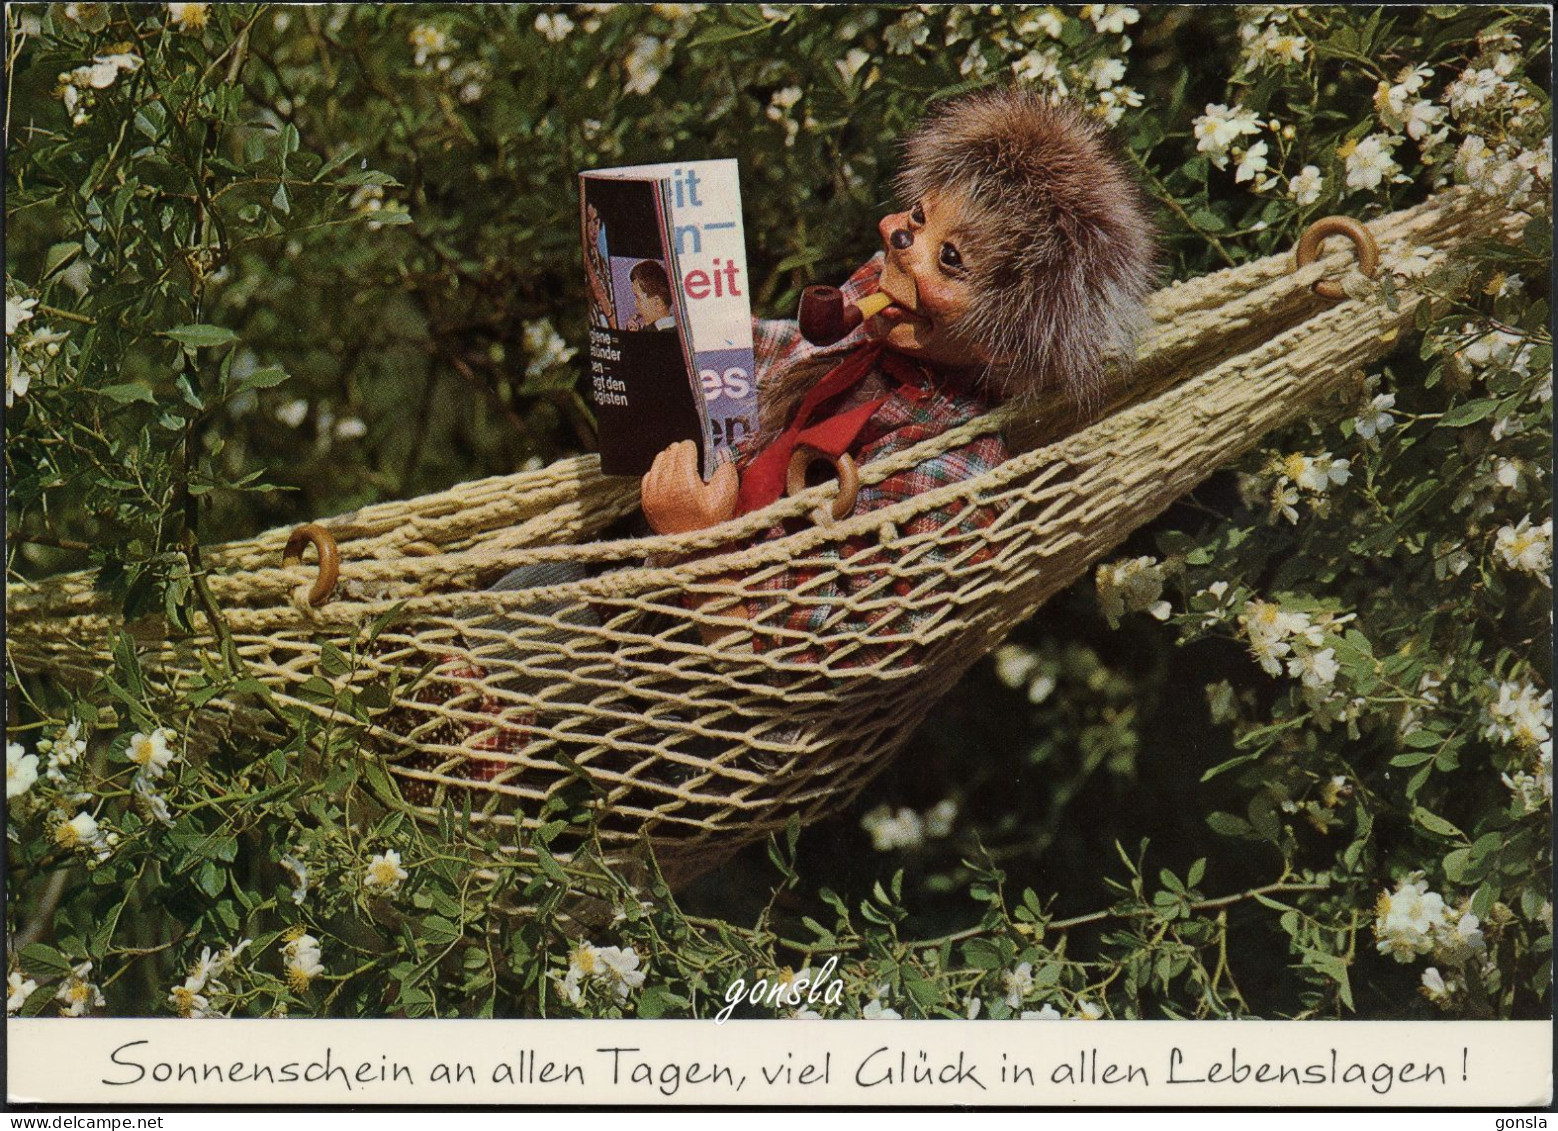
[[267, 263]]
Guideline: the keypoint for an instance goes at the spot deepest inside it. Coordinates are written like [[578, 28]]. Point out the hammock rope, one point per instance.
[[505, 699]]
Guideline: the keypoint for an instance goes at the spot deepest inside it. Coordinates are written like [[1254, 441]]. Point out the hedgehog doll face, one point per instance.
[[929, 275]]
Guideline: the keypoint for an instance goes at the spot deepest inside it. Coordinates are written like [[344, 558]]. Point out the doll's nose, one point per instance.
[[895, 231]]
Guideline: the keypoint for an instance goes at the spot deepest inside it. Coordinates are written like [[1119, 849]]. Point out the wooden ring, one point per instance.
[[1362, 241], [329, 559], [843, 467]]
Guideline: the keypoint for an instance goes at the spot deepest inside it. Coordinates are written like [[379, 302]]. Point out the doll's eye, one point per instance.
[[917, 214], [950, 257]]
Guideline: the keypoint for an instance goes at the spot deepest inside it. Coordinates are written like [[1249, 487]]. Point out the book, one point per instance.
[[670, 315]]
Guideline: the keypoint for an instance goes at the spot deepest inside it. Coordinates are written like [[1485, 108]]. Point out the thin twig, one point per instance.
[[1066, 924], [48, 540]]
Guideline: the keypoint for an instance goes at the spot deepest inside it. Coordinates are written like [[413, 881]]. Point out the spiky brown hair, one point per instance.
[[1057, 234]]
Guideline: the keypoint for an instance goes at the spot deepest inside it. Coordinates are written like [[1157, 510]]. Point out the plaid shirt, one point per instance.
[[911, 414]]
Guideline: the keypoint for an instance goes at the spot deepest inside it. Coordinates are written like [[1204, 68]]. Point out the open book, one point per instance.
[[670, 316]]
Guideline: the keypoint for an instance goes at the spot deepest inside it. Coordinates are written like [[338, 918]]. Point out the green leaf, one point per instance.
[[549, 864], [201, 336], [60, 255], [45, 959], [1227, 824], [265, 377], [332, 661], [1468, 413], [129, 392], [1436, 824]]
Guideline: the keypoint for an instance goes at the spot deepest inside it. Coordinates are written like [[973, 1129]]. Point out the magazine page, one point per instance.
[[639, 363], [709, 247]]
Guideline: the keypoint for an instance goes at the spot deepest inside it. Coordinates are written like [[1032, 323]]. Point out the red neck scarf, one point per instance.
[[763, 479]]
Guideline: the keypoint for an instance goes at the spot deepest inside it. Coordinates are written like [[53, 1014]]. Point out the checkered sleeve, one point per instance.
[[872, 598]]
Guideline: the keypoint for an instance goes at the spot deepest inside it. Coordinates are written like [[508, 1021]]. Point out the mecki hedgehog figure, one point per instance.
[[1022, 262], [1020, 265]]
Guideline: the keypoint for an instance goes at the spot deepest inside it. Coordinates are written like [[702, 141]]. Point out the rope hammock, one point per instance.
[[604, 688]]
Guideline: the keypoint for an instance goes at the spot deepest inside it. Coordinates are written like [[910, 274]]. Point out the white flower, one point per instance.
[[1507, 474], [384, 872], [154, 802], [1474, 89], [1315, 669], [1497, 348], [1270, 44], [428, 41], [1115, 102], [619, 969], [1018, 983], [1105, 72], [350, 428], [18, 988], [300, 871], [64, 751], [1314, 474], [1268, 626], [972, 1007], [1422, 118], [1220, 127], [644, 64], [555, 26], [1376, 418], [890, 831], [21, 770], [188, 1001], [1045, 21], [907, 34], [1134, 585], [106, 68], [1460, 937], [973, 62], [91, 17], [1110, 19], [301, 960], [1521, 715], [874, 1010], [1305, 188], [1370, 162], [189, 17], [293, 412], [1087, 1011], [17, 311], [80, 831], [1526, 547], [1284, 501], [1434, 987], [1041, 67], [939, 818], [1532, 791], [1046, 1013], [1251, 162], [1014, 664], [76, 994], [150, 752], [854, 59], [1405, 920], [615, 966]]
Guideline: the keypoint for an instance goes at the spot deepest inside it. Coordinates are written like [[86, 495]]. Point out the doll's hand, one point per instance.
[[677, 500]]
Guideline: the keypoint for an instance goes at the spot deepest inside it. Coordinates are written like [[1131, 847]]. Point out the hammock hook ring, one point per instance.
[[843, 467], [329, 559], [1362, 242]]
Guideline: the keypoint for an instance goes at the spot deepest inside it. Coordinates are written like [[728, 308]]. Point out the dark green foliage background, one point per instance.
[[283, 209]]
